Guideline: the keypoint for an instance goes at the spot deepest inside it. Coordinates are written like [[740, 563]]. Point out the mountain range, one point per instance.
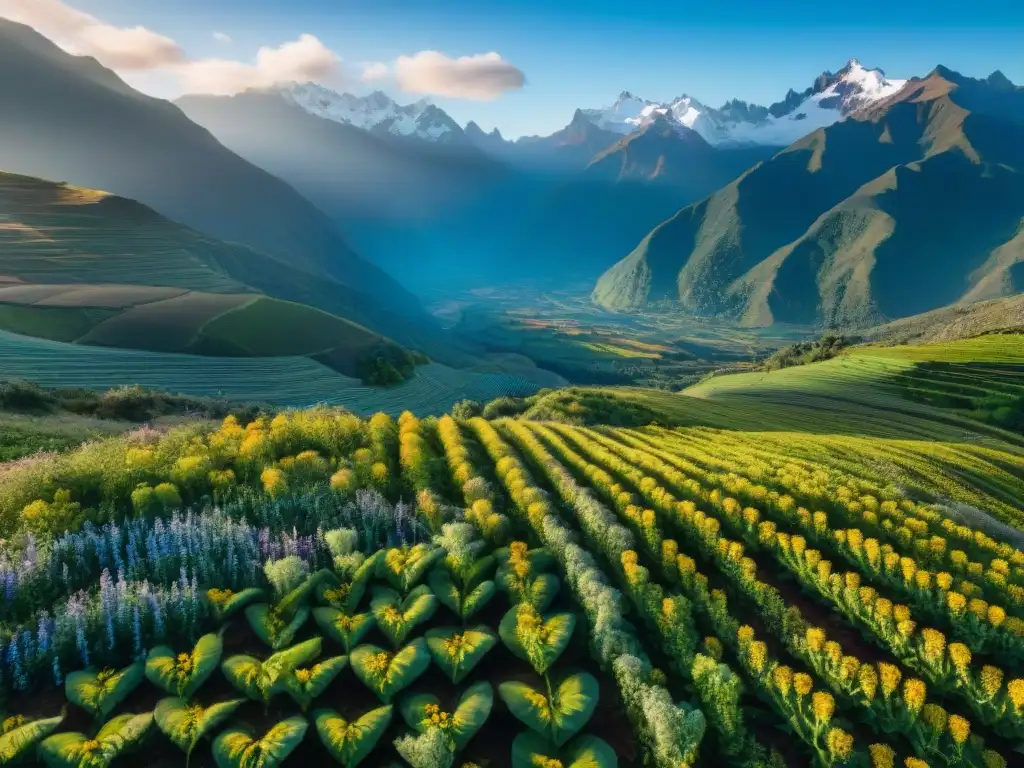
[[913, 203], [852, 201]]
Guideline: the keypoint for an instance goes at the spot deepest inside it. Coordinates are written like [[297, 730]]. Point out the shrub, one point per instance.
[[466, 409], [504, 406]]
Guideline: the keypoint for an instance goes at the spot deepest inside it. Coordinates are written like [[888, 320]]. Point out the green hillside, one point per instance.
[[915, 205]]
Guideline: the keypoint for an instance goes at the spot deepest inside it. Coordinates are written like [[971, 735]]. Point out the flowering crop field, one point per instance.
[[317, 588]]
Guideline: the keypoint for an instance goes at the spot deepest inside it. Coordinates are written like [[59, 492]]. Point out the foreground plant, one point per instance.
[[18, 737], [224, 603], [557, 714], [534, 637], [457, 651], [349, 742], [460, 581], [277, 624], [405, 566], [99, 693], [186, 724], [423, 713], [261, 680], [397, 617], [342, 627], [531, 751], [387, 673], [76, 750], [521, 575], [306, 684], [239, 748], [184, 674]]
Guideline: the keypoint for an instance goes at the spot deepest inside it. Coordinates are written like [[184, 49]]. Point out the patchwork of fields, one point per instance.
[[282, 381]]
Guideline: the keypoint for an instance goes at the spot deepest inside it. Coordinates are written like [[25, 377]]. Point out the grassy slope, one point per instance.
[[23, 435], [915, 206], [283, 381]]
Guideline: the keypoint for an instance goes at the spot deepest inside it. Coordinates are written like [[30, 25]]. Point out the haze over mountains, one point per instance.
[[856, 199]]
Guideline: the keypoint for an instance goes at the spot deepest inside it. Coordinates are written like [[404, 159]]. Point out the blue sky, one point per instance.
[[582, 53]]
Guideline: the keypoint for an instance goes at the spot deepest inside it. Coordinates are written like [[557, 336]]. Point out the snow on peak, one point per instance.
[[830, 99], [376, 112]]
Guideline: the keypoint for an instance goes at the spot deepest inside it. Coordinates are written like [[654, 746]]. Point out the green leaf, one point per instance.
[[185, 724], [76, 750], [343, 596], [238, 748], [537, 590], [17, 742], [290, 603], [448, 593], [458, 651], [405, 566], [185, 673], [479, 570], [350, 742], [387, 673], [271, 627], [423, 712], [99, 693], [343, 628], [260, 680], [536, 638], [530, 750], [223, 602], [304, 685], [396, 617], [570, 707]]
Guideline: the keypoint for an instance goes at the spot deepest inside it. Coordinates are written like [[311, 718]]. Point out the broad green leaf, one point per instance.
[[405, 566], [350, 742], [458, 651], [345, 596], [184, 674], [396, 617], [76, 750], [99, 693], [539, 558], [185, 724], [448, 593], [537, 590], [570, 707], [238, 747], [260, 680], [536, 638], [530, 750], [343, 628], [479, 571], [387, 673], [298, 597], [271, 627], [224, 602], [424, 712], [305, 684], [19, 741]]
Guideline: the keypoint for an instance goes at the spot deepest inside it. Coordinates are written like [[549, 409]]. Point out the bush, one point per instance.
[[466, 409], [805, 352], [388, 364], [25, 396], [505, 406]]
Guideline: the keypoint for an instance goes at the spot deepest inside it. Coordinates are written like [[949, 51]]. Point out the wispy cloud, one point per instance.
[[483, 77], [128, 48], [374, 71]]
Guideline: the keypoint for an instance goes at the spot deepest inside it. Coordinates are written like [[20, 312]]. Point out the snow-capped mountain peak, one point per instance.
[[830, 99], [376, 112]]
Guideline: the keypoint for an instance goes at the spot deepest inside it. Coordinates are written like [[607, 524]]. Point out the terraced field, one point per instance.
[[742, 599], [282, 381]]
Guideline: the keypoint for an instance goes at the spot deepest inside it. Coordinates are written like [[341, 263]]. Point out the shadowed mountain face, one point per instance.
[[913, 204], [66, 118]]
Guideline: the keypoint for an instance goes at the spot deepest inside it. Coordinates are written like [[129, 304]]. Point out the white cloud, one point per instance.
[[375, 70], [303, 60], [141, 52], [126, 48], [482, 77]]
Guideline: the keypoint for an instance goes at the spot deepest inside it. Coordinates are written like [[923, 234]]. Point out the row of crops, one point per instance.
[[444, 593], [282, 381]]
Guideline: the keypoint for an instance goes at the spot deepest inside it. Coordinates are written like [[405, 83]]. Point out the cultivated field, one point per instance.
[[451, 593], [281, 381]]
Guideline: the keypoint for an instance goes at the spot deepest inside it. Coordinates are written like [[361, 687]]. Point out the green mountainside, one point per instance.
[[913, 205], [68, 118]]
